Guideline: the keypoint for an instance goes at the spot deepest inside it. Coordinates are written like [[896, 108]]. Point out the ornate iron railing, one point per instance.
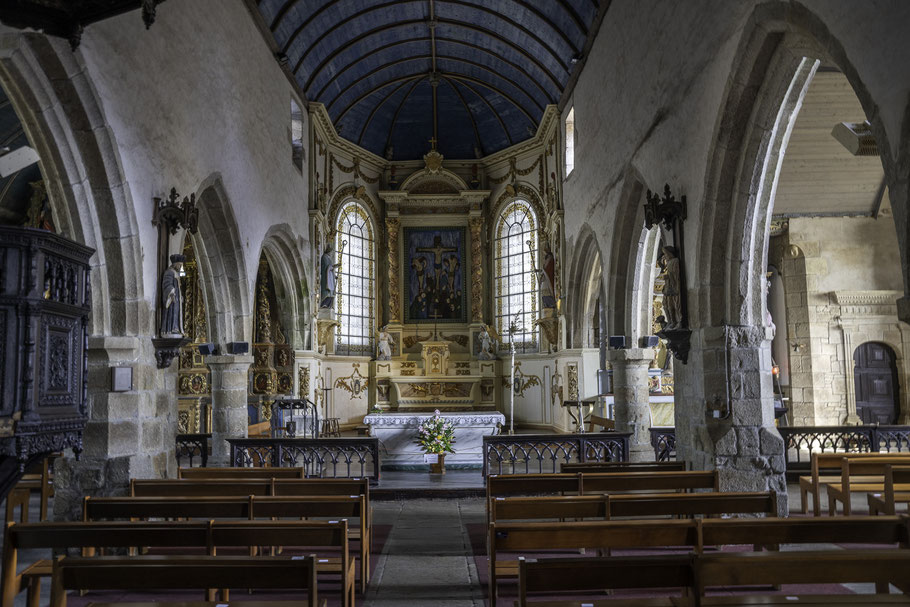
[[802, 441], [319, 457], [664, 442], [193, 449], [540, 453]]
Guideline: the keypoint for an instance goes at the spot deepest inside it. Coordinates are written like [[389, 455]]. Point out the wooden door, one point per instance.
[[875, 378]]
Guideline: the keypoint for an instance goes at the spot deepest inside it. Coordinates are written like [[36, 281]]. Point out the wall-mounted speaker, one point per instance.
[[206, 349], [617, 342], [648, 341], [238, 347]]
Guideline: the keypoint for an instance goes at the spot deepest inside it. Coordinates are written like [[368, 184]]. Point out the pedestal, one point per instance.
[[230, 377], [398, 450], [631, 396]]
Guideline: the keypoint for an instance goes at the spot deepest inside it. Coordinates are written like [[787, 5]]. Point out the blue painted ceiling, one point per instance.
[[498, 63]]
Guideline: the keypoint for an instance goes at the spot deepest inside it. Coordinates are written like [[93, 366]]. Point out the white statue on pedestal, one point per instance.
[[487, 345], [386, 341]]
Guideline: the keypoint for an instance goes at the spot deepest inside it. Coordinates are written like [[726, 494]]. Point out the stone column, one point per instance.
[[630, 399], [229, 401]]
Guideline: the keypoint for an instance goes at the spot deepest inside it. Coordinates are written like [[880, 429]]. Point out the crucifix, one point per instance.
[[433, 143], [437, 250]]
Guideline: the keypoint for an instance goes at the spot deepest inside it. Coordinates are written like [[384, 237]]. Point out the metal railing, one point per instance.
[[319, 457], [802, 441], [540, 453], [663, 440], [194, 449]]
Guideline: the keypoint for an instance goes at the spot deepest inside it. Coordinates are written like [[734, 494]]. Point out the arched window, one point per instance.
[[355, 281], [516, 282]]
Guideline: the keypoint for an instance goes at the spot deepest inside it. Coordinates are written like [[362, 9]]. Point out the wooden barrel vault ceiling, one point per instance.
[[474, 74]]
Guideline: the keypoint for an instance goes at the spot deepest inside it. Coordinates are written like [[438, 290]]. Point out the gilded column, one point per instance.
[[392, 226], [476, 224]]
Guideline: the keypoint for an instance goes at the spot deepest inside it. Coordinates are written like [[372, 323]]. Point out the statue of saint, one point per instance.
[[171, 299], [546, 275], [487, 345], [386, 341], [672, 301], [328, 267]]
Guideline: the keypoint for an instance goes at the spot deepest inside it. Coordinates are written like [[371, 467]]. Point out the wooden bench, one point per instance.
[[826, 468], [41, 482], [571, 575], [897, 491], [881, 567], [200, 488], [607, 535], [621, 466], [239, 473], [52, 535], [250, 507], [858, 475], [183, 572], [637, 505]]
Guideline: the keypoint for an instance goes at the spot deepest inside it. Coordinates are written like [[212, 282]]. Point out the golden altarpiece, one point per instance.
[[194, 386]]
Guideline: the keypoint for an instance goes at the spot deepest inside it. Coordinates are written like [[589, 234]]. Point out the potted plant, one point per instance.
[[436, 436]]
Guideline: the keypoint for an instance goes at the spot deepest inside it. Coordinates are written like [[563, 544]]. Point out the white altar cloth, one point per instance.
[[397, 432]]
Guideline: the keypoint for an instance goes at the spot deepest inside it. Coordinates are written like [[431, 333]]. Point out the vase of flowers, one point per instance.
[[436, 435]]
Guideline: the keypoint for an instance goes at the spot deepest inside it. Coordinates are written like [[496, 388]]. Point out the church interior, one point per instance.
[[455, 302]]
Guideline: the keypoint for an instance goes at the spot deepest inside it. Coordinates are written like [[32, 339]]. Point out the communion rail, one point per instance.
[[663, 440], [193, 450], [541, 453], [319, 457]]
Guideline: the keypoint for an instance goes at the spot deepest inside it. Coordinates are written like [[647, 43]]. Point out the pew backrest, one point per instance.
[[621, 466], [885, 530], [201, 487], [208, 507], [239, 473], [182, 572]]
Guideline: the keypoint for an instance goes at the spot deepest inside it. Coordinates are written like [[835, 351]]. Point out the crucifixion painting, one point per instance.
[[434, 281]]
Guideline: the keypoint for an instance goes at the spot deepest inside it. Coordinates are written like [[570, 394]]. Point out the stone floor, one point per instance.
[[427, 558]]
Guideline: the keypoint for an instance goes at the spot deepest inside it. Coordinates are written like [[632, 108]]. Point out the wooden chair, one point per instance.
[[572, 575], [239, 473], [41, 482], [858, 475], [87, 536], [826, 468], [183, 572], [17, 499], [604, 422], [332, 535], [897, 490]]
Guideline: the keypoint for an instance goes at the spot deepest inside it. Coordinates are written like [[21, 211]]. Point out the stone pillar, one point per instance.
[[229, 403], [630, 399]]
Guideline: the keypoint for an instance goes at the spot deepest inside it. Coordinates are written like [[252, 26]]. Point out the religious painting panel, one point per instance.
[[434, 266]]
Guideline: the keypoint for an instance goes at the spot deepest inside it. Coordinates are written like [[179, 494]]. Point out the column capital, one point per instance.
[[631, 355]]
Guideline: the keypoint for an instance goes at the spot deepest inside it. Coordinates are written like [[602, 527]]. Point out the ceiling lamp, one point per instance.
[[857, 137]]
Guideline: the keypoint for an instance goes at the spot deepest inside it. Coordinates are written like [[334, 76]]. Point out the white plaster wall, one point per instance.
[[199, 94]]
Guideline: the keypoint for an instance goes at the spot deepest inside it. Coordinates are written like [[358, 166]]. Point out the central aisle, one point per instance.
[[427, 558]]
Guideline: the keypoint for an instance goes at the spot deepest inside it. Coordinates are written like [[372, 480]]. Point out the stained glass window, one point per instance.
[[516, 283], [355, 301]]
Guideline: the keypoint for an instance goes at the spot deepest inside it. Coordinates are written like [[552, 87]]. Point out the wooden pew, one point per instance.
[[881, 567], [884, 530], [534, 537], [621, 466], [596, 574], [897, 490], [312, 534], [200, 488], [40, 481], [858, 475], [238, 473], [183, 572], [249, 507], [572, 575], [51, 535], [632, 505], [826, 468]]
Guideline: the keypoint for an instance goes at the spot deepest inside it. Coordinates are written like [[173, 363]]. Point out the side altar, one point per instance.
[[396, 433]]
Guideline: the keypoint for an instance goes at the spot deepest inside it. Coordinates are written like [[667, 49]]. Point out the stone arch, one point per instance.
[[220, 255], [343, 194], [56, 101], [523, 191], [585, 286], [288, 271]]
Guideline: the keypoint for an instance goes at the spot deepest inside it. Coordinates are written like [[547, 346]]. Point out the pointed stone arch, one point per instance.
[[586, 286], [288, 270]]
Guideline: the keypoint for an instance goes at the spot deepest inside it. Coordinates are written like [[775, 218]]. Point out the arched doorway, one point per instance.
[[875, 379]]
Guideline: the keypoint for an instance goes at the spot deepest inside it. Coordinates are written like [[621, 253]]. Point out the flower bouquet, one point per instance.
[[436, 435]]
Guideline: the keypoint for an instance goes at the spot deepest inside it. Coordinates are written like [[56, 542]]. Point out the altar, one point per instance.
[[397, 432]]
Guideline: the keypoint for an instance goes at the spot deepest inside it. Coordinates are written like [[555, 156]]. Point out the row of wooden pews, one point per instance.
[[841, 475], [256, 510], [608, 508]]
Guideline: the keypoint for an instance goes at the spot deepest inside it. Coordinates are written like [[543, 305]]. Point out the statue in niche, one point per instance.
[[328, 268], [487, 344], [672, 317], [386, 341], [546, 275], [171, 299]]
